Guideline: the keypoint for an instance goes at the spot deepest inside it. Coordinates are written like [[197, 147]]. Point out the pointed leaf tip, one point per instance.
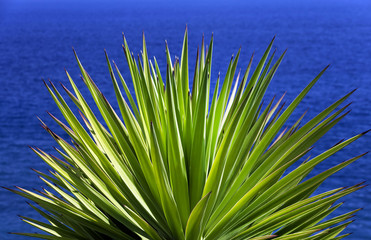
[[365, 132]]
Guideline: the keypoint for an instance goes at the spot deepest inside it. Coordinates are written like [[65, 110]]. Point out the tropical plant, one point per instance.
[[173, 166]]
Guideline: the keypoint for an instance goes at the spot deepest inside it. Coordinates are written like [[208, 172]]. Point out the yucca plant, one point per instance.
[[172, 166]]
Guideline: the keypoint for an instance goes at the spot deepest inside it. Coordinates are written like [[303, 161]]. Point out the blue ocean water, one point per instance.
[[36, 39]]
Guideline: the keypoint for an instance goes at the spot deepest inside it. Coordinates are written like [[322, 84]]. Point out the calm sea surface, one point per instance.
[[36, 39]]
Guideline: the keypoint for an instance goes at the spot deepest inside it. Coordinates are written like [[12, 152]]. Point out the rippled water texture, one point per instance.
[[36, 39]]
